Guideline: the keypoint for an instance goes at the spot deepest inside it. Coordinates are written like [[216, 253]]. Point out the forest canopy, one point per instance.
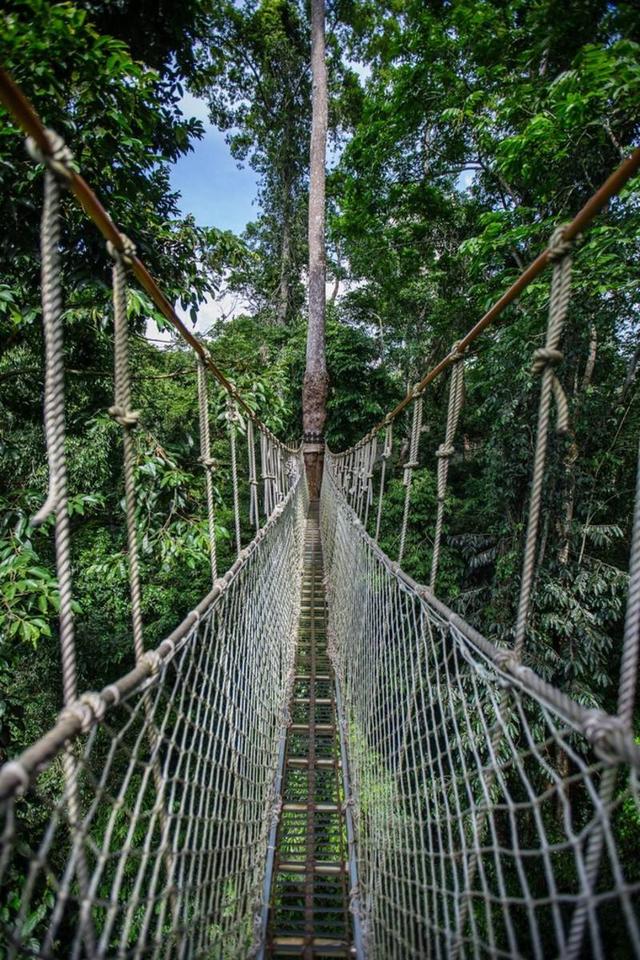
[[461, 133]]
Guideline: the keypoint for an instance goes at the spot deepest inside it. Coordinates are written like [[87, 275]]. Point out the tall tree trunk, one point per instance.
[[316, 380]]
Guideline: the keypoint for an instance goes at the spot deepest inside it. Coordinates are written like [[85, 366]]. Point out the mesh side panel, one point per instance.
[[480, 811], [174, 788]]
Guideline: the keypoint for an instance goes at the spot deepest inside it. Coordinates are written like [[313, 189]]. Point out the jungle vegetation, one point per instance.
[[460, 134]]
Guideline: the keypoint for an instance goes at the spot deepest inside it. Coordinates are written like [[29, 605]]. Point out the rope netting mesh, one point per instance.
[[149, 804], [490, 809], [174, 778]]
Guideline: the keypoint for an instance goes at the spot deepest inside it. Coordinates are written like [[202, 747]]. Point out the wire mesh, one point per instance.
[[491, 820], [173, 864]]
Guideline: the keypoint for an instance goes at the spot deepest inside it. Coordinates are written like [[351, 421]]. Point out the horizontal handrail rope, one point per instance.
[[603, 731], [612, 186], [26, 117], [16, 775]]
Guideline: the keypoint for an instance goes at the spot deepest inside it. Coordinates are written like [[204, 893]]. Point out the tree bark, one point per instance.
[[316, 380]]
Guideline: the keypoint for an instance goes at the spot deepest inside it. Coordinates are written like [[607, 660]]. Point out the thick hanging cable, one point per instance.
[[254, 509], [57, 171], [386, 453], [264, 474], [631, 638], [544, 362], [232, 419], [444, 453], [208, 464], [409, 467], [373, 452], [128, 419]]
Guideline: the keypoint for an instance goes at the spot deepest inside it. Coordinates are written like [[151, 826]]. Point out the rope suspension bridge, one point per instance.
[[322, 759]]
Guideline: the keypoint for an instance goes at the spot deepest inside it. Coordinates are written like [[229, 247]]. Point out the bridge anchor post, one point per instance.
[[313, 453]]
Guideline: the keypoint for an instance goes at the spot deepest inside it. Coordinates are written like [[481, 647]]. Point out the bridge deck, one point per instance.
[[309, 906]]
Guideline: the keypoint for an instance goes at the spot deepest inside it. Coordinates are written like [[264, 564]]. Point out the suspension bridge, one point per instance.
[[322, 759]]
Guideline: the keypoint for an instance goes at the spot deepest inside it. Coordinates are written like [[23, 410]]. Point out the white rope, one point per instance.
[[208, 464], [409, 466]]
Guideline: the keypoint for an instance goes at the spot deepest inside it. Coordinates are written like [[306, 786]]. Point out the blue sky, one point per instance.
[[213, 189]]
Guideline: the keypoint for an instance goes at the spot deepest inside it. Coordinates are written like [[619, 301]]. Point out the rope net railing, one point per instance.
[[490, 809], [138, 824], [173, 772]]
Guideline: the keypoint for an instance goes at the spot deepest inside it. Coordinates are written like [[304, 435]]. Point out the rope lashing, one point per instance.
[[128, 419], [446, 450], [560, 255], [409, 467], [387, 450], [88, 710], [58, 160], [233, 418], [546, 359], [208, 464]]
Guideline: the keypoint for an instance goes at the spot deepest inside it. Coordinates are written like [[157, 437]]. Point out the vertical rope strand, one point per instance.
[[373, 452], [386, 453], [544, 361], [208, 464], [57, 164], [254, 510], [631, 640], [54, 420], [409, 467], [128, 420], [232, 418], [444, 453]]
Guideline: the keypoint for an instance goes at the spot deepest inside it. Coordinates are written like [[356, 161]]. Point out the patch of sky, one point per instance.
[[212, 187]]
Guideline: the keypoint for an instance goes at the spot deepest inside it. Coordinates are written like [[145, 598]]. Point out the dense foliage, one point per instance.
[[462, 133]]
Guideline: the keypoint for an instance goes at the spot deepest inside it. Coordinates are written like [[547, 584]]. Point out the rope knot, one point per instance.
[[153, 661], [126, 418], [445, 451], [125, 253], [95, 703], [548, 358], [545, 357], [88, 709], [456, 353], [209, 463], [58, 159], [559, 247], [601, 729], [505, 660], [14, 770], [232, 414]]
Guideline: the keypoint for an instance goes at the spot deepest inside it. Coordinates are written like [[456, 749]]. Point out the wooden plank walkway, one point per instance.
[[309, 904]]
